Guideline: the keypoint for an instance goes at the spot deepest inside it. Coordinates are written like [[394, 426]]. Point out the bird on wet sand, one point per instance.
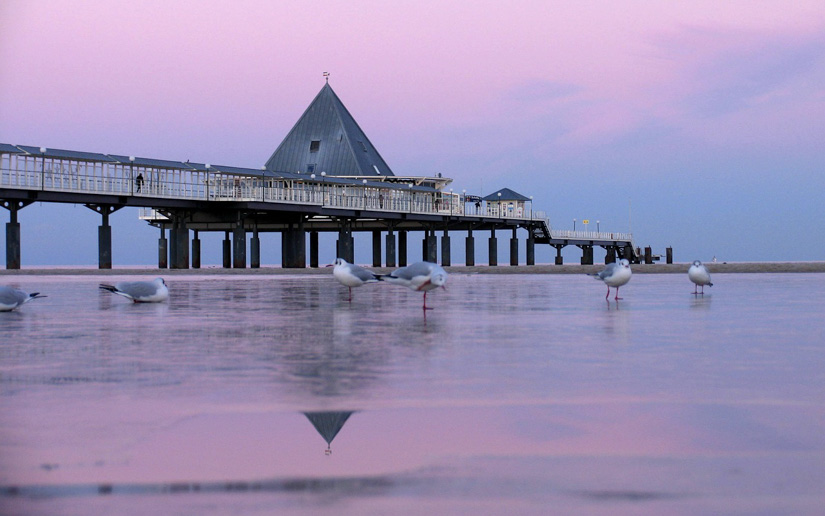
[[351, 275], [615, 275], [419, 276], [154, 291], [699, 275], [11, 298]]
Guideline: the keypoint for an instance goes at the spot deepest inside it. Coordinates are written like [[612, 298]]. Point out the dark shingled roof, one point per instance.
[[506, 195], [9, 149], [327, 137], [66, 154], [149, 162]]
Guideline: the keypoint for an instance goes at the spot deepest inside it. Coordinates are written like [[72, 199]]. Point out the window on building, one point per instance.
[[314, 145], [311, 168]]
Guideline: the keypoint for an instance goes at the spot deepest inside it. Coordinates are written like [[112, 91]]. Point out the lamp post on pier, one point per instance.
[[314, 186], [409, 186], [42, 168], [207, 166], [132, 180], [323, 188]]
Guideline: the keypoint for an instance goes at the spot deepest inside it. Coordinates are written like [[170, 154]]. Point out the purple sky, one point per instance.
[[699, 125]]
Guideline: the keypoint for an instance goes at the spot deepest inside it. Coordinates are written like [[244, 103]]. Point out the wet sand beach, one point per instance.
[[519, 393]]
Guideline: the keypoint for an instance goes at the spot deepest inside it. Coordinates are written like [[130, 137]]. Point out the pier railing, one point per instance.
[[589, 235], [110, 175]]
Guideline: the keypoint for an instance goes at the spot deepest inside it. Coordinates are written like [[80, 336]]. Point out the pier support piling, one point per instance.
[[13, 249], [255, 250], [163, 250], [514, 249], [376, 248], [345, 245], [179, 234], [196, 251], [104, 234], [173, 246], [470, 249], [430, 247], [559, 257], [227, 251], [13, 245], [610, 254], [104, 244], [239, 246], [390, 249], [313, 249], [293, 247], [402, 248], [627, 253], [493, 249], [531, 247], [587, 254], [445, 249]]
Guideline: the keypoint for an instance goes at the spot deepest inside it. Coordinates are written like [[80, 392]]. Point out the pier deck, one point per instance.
[[201, 197]]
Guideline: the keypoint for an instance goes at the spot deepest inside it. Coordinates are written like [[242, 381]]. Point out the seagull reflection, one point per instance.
[[328, 425]]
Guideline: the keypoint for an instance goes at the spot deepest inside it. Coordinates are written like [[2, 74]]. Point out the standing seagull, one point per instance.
[[351, 275], [153, 291], [420, 276], [700, 276], [11, 298], [615, 275]]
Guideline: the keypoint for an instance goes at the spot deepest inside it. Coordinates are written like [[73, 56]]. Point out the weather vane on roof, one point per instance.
[[326, 76]]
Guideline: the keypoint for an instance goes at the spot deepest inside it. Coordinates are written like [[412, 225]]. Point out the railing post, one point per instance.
[[42, 168]]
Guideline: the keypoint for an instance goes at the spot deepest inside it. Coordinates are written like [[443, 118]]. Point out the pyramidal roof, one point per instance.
[[326, 138]]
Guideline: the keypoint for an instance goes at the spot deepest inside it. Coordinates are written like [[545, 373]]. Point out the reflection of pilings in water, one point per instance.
[[297, 485], [328, 424]]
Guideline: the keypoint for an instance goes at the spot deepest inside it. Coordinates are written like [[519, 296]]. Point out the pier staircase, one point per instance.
[[541, 231]]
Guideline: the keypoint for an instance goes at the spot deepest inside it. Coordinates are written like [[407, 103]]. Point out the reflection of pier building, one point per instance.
[[328, 424], [326, 176]]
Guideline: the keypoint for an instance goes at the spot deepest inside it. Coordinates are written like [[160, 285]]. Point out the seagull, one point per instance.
[[615, 275], [420, 276], [351, 275], [700, 276], [153, 291], [11, 298]]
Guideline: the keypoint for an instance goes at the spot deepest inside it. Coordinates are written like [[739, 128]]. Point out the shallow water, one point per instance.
[[514, 394]]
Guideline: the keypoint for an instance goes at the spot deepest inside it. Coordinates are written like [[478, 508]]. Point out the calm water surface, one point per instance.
[[516, 394]]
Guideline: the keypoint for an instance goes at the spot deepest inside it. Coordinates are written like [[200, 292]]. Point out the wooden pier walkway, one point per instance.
[[183, 197]]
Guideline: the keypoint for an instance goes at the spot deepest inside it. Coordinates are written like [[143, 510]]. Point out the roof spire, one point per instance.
[[326, 76]]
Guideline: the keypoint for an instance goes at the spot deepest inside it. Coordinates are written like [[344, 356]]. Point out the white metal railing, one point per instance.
[[589, 235], [33, 172]]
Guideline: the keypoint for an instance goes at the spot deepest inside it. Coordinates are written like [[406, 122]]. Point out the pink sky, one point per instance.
[[525, 94]]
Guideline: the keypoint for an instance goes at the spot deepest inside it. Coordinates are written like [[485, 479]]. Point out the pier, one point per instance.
[[340, 184]]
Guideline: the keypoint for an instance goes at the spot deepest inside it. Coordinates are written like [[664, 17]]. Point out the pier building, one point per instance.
[[325, 176]]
